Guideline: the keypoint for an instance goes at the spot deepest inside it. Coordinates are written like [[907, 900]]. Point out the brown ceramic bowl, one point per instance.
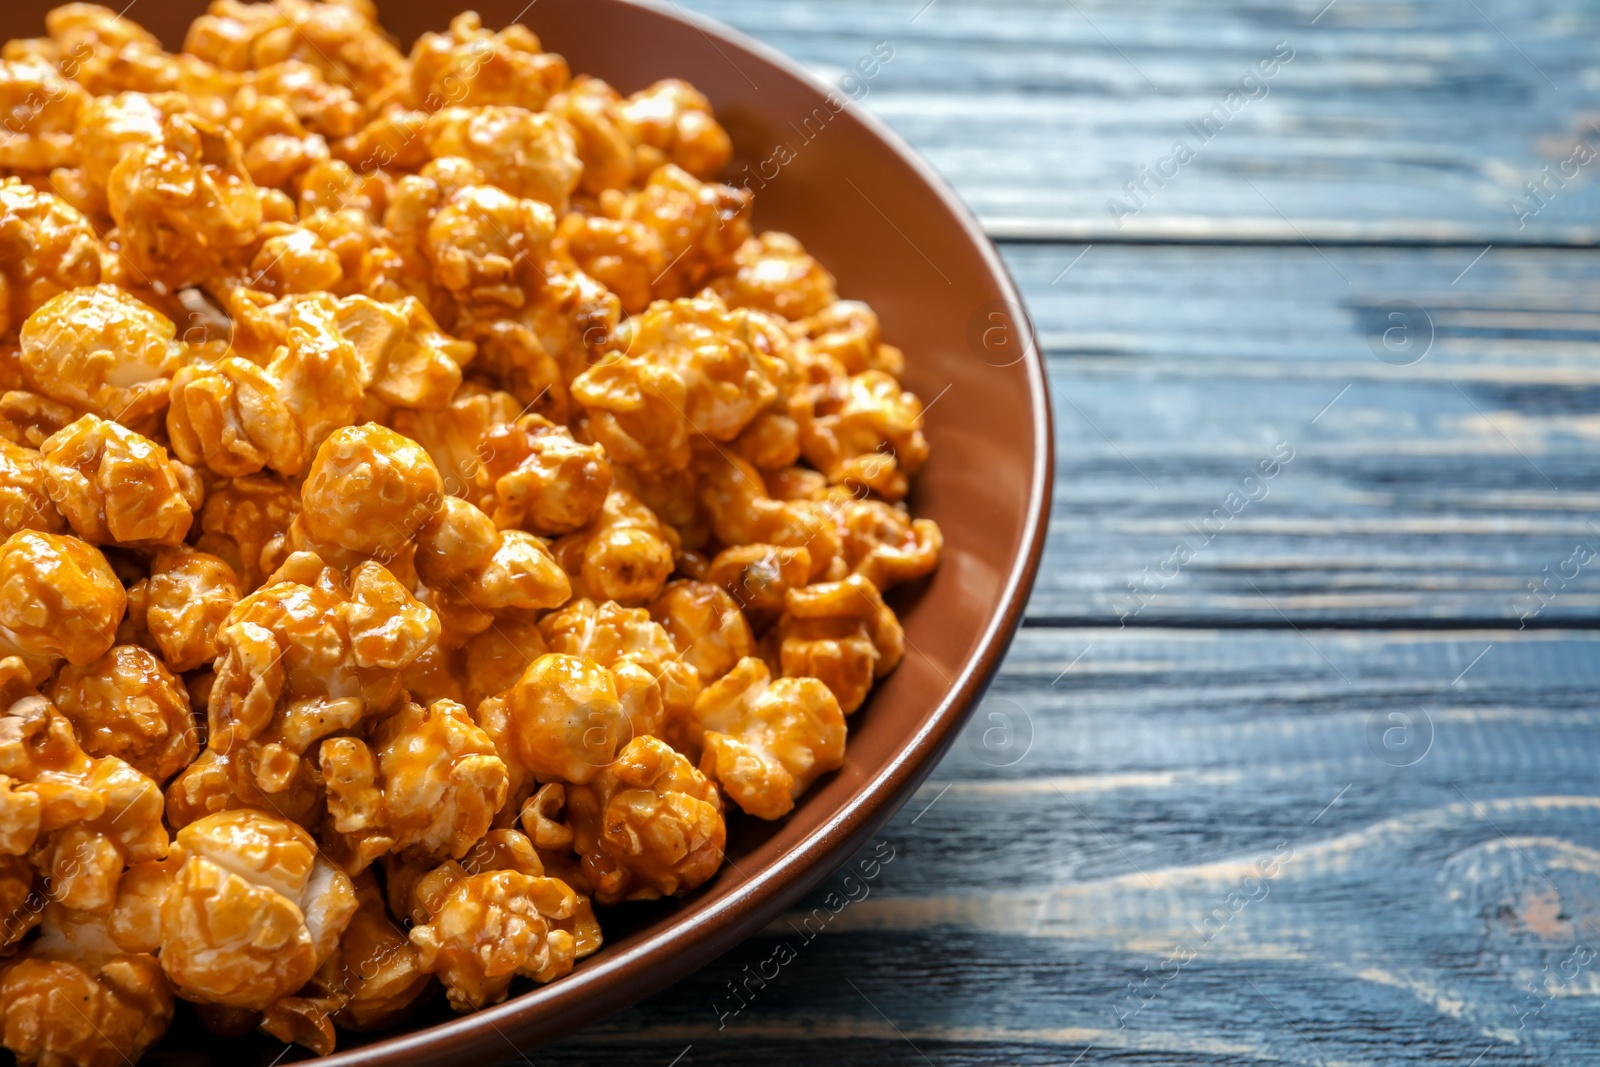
[[896, 237]]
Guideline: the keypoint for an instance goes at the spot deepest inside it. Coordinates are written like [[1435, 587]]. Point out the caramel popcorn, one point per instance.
[[483, 929], [253, 912], [705, 624], [766, 741], [99, 350], [80, 819], [46, 248], [649, 825], [655, 686], [76, 997], [185, 600], [425, 504], [127, 704], [118, 487], [692, 367], [309, 654], [841, 633], [24, 501], [59, 599], [427, 782]]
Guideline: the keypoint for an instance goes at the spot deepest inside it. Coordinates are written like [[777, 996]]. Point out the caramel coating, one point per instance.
[[544, 481], [186, 599], [24, 501], [76, 997], [766, 741], [245, 522], [81, 819], [47, 248], [470, 66], [865, 431], [484, 929], [650, 825], [59, 599], [841, 633], [705, 624], [655, 686], [253, 911], [184, 201], [127, 704], [562, 719], [99, 350], [773, 273], [309, 654], [526, 153], [118, 487], [427, 783], [626, 555]]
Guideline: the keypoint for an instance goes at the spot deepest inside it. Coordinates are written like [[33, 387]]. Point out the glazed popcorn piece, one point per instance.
[[884, 544], [593, 111], [309, 654], [20, 905], [655, 686], [24, 502], [185, 202], [127, 704], [766, 741], [526, 153], [59, 599], [742, 513], [671, 122], [706, 625], [865, 431], [493, 916], [42, 110], [773, 273], [99, 350], [369, 493], [649, 825], [118, 487], [427, 782], [470, 66], [626, 555], [692, 366], [760, 576], [80, 819], [562, 719], [841, 633], [46, 248], [844, 338], [485, 245], [184, 601], [252, 913], [378, 975], [544, 481], [77, 997]]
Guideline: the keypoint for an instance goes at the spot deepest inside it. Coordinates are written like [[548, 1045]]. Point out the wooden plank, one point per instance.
[[1431, 492], [1415, 119], [1420, 890]]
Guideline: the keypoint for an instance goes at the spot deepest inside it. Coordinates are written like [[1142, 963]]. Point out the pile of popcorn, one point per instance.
[[427, 509]]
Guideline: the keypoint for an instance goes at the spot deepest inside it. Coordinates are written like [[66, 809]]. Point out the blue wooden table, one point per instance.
[[1320, 786]]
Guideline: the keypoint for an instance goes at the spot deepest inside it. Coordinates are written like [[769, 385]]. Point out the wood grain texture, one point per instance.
[[1432, 493], [1412, 909], [1396, 119]]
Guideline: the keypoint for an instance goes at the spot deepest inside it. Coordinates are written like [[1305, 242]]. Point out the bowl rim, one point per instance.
[[592, 992]]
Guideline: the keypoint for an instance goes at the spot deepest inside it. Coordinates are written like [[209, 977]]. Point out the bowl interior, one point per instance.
[[894, 237]]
